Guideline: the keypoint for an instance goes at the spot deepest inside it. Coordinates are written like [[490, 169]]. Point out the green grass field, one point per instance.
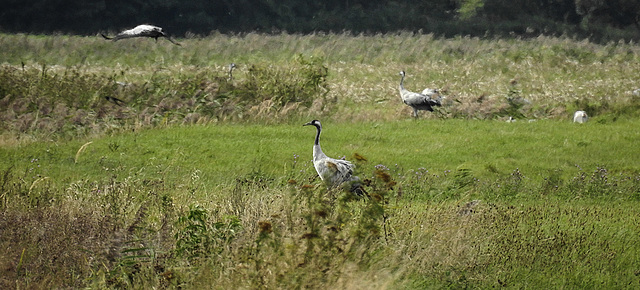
[[202, 182]]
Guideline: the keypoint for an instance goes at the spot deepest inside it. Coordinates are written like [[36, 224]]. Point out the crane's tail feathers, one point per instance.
[[357, 188]]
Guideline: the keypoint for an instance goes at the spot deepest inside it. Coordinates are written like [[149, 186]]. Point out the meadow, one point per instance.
[[198, 180]]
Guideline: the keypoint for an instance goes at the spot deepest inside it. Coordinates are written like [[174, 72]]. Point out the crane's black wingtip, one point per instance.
[[115, 100]]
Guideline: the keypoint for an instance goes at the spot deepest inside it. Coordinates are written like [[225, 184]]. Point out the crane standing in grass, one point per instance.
[[334, 172], [144, 30], [231, 67], [419, 101]]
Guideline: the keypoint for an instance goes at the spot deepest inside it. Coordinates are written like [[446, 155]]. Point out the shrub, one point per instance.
[[301, 82], [197, 237]]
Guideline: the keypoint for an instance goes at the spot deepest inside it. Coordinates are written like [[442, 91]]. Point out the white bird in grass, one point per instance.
[[231, 67], [419, 101], [144, 30], [580, 117], [334, 172]]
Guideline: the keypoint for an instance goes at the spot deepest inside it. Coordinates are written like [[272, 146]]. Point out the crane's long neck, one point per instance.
[[402, 89], [318, 130], [317, 151]]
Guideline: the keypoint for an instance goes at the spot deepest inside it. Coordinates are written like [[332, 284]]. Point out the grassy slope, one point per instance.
[[225, 150], [527, 242]]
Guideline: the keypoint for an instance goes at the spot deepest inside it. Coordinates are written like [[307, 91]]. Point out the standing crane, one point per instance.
[[419, 101], [144, 30], [231, 67], [334, 172]]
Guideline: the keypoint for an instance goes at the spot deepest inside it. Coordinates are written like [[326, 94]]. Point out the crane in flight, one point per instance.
[[144, 30]]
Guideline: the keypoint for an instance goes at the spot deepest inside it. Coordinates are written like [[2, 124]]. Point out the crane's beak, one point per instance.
[[307, 124]]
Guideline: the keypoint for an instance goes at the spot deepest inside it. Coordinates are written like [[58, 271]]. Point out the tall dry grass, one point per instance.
[[551, 76], [261, 232]]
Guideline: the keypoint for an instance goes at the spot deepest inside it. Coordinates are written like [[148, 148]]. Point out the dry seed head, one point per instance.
[[321, 213], [265, 227], [384, 176], [309, 236], [359, 157], [80, 151]]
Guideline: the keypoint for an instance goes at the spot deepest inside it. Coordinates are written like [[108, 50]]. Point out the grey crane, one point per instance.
[[144, 30], [419, 101], [334, 172], [231, 67]]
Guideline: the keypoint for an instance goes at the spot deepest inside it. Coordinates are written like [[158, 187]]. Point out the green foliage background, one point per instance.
[[598, 20]]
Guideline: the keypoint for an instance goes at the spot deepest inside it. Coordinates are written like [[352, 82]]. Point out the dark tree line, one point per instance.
[[593, 18]]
